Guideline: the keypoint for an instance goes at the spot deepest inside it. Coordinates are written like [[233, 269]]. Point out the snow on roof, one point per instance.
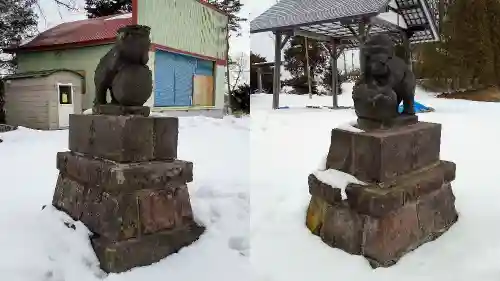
[[123, 16]]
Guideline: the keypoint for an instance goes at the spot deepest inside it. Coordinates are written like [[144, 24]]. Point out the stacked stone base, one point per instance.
[[407, 199], [132, 195]]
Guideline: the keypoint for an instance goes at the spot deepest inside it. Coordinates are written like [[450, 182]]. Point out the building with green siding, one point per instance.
[[187, 56]]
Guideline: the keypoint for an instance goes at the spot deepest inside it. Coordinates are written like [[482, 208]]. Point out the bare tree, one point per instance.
[[238, 69]]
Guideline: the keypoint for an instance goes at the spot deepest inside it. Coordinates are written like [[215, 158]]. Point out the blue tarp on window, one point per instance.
[[174, 77], [419, 108]]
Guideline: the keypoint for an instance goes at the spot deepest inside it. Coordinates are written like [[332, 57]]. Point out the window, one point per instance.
[[65, 96]]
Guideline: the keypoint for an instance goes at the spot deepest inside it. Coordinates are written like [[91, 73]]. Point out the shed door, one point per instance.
[[174, 79], [66, 105]]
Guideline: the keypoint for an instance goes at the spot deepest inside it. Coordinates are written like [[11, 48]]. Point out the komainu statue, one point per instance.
[[124, 71], [387, 81]]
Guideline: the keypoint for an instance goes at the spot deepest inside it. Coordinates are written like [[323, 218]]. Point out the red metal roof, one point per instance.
[[79, 33], [84, 32]]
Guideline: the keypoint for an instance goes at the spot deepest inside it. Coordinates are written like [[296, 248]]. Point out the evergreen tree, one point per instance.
[[327, 79], [239, 99], [295, 62], [468, 52], [2, 102], [493, 17], [17, 22], [101, 8], [468, 41]]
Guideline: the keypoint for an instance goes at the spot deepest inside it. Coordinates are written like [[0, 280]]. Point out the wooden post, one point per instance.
[[406, 45], [277, 72], [345, 63], [308, 69], [352, 61], [362, 58], [259, 79], [334, 57]]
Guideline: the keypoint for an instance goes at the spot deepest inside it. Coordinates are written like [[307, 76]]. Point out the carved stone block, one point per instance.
[[124, 138]]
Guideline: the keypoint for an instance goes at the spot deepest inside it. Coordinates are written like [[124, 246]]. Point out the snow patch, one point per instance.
[[350, 127], [287, 89], [123, 16], [322, 164], [337, 179], [47, 245]]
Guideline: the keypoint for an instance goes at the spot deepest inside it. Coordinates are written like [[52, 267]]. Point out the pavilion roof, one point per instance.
[[328, 19]]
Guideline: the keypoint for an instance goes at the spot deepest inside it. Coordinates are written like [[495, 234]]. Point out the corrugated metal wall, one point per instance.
[[193, 27], [174, 75], [164, 91], [85, 59]]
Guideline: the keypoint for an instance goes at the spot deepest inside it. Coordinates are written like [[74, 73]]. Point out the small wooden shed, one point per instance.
[[43, 99]]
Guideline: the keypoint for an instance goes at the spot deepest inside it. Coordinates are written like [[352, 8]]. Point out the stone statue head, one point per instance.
[[378, 51], [133, 43]]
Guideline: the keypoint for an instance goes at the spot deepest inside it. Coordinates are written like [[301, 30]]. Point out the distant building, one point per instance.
[[187, 57]]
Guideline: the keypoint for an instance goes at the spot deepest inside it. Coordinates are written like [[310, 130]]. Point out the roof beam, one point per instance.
[[390, 19], [285, 40], [262, 64], [419, 27], [429, 19], [382, 22], [409, 7], [312, 35]]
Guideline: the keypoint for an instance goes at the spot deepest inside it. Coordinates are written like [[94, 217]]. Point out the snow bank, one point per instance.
[[250, 190], [38, 245], [287, 145]]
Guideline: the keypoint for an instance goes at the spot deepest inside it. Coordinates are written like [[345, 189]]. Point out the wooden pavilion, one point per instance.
[[258, 66], [345, 24]]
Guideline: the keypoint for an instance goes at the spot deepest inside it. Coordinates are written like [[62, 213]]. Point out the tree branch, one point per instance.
[[66, 5]]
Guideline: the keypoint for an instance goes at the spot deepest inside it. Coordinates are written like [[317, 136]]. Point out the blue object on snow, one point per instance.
[[284, 107], [419, 108]]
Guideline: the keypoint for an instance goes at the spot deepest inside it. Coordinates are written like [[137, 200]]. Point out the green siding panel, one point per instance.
[[78, 59], [185, 25]]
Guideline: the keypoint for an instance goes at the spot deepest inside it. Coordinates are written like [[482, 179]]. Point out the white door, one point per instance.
[[66, 105]]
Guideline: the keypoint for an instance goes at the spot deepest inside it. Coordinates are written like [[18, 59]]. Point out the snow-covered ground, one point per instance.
[[289, 144], [250, 190], [37, 246]]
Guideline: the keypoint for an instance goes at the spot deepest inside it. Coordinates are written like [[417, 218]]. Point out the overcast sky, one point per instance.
[[50, 14]]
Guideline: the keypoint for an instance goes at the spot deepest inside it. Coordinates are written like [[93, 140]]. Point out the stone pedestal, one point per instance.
[[123, 181], [407, 199], [112, 109]]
